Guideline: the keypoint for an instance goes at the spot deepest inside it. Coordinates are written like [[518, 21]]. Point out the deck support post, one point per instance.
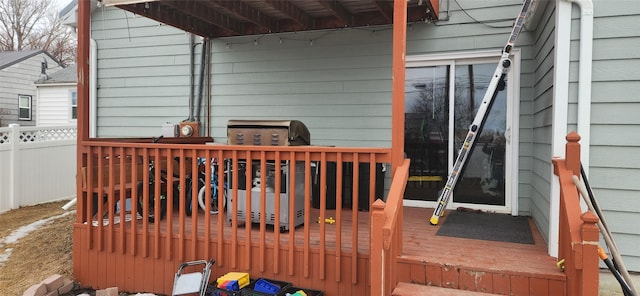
[[398, 77], [377, 256]]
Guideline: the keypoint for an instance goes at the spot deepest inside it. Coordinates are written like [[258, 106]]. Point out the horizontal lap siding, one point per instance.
[[143, 76], [19, 79], [339, 86], [55, 105], [614, 166], [325, 79], [541, 110], [340, 91]]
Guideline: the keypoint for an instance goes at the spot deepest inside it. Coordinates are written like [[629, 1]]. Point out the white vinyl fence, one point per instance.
[[37, 165]]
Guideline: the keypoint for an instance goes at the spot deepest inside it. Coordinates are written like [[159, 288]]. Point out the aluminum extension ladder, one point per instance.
[[497, 84]]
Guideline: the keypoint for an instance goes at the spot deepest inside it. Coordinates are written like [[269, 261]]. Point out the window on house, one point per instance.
[[24, 107], [74, 105]]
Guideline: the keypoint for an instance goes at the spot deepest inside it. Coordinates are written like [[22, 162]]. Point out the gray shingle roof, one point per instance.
[[66, 75]]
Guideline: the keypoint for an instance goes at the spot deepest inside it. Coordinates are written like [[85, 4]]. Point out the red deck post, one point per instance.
[[579, 235], [377, 249], [572, 152], [590, 259], [398, 76]]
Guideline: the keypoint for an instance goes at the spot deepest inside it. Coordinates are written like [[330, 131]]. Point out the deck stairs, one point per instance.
[[459, 266], [443, 279]]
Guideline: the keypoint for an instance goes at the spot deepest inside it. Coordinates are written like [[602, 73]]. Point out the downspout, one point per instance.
[[208, 90], [203, 61], [559, 113], [584, 79], [93, 89], [561, 102], [192, 86]]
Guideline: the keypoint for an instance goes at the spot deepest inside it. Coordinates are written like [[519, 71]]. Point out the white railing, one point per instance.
[[37, 164]]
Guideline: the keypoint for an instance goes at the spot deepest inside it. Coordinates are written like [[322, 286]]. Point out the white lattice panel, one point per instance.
[[49, 134], [4, 138]]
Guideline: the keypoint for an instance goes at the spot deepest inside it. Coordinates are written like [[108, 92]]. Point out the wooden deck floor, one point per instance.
[[348, 229], [420, 240]]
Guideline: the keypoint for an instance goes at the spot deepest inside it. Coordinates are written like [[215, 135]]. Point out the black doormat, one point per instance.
[[483, 226]]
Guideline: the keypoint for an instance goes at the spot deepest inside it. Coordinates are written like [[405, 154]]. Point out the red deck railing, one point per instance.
[[115, 171], [578, 233], [386, 244]]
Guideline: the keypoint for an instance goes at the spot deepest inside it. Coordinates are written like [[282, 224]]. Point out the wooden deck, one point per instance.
[[428, 259], [361, 230], [476, 265]]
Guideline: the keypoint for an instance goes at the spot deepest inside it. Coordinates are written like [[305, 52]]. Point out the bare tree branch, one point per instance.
[[35, 24]]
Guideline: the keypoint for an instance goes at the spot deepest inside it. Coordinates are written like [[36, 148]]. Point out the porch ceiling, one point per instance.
[[225, 18]]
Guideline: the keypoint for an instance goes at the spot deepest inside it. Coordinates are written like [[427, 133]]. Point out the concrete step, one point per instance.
[[407, 289]]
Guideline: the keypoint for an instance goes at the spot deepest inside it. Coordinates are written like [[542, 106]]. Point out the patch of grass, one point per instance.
[[44, 252]]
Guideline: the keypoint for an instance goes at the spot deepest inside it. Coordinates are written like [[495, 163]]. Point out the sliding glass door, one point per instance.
[[441, 101]]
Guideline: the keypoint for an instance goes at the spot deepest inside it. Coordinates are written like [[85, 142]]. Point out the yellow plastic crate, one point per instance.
[[241, 277]]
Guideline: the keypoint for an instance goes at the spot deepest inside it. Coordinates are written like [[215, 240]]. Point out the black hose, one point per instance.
[[626, 289], [156, 140], [614, 263]]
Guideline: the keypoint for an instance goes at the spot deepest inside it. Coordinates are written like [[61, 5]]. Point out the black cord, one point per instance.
[[486, 23]]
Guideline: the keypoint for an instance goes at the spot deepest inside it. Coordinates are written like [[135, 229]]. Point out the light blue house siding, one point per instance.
[[339, 84], [614, 168], [537, 109], [143, 74]]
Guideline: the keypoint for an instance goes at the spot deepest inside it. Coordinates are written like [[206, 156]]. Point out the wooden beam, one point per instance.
[[247, 13], [165, 15], [398, 81], [292, 12], [385, 9], [220, 18], [84, 35], [338, 11], [206, 14], [434, 6]]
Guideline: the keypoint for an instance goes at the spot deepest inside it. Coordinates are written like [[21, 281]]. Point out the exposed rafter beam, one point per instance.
[[385, 9], [293, 12], [161, 14], [247, 13], [224, 18], [206, 14], [341, 13]]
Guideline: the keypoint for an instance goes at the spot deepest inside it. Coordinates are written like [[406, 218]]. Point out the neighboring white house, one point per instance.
[[18, 71], [57, 98]]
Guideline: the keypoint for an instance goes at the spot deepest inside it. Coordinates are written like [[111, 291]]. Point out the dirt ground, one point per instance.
[[42, 253]]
